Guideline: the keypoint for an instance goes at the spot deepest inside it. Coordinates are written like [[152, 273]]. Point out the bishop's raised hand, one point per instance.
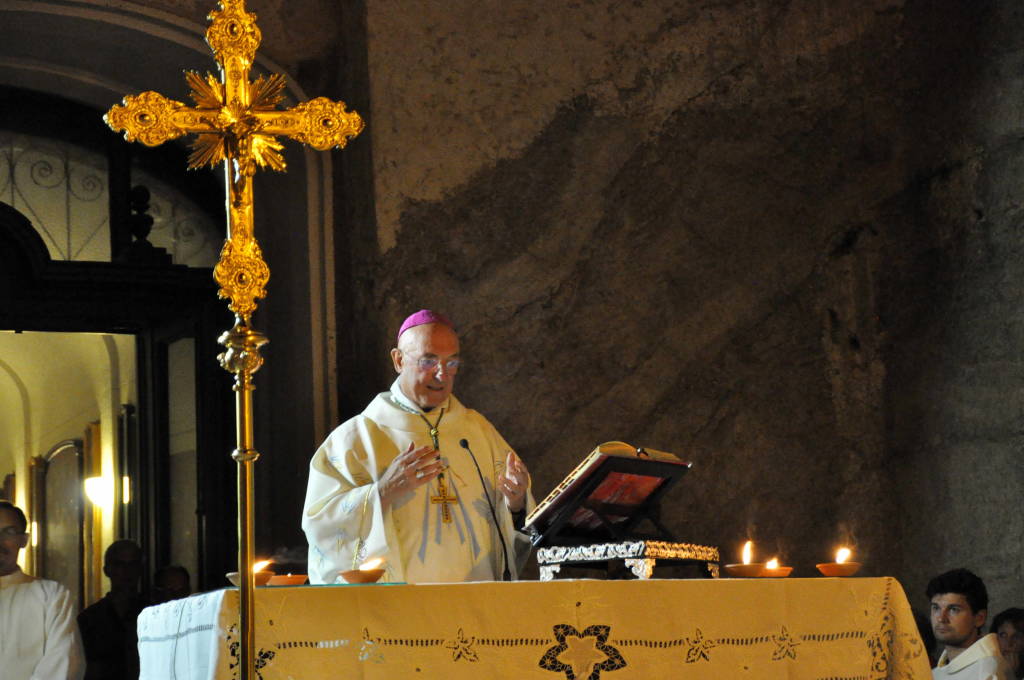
[[514, 482], [410, 470]]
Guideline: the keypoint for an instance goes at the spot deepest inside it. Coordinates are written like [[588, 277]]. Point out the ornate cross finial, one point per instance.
[[237, 121]]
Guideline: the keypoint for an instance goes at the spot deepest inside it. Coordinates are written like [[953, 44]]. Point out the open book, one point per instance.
[[615, 487]]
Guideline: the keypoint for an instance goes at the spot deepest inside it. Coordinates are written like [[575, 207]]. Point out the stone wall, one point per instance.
[[777, 238], [952, 298]]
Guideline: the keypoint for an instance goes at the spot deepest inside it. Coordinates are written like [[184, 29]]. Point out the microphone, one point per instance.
[[506, 576]]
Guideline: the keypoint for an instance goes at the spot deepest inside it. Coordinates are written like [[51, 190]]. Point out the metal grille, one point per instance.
[[62, 189], [188, 233]]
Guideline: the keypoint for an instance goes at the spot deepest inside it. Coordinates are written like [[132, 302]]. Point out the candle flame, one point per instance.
[[260, 566], [371, 564], [842, 555], [748, 549], [773, 563]]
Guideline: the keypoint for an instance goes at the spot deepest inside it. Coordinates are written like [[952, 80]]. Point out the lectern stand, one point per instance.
[[593, 518]]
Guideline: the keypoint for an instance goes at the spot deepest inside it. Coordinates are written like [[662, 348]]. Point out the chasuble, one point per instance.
[[38, 636], [442, 532]]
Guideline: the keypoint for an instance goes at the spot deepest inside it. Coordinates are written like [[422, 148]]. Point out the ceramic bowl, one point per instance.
[[362, 575], [777, 572], [287, 580], [838, 568], [744, 570], [262, 578]]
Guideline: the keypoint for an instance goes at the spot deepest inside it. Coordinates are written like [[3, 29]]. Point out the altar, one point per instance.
[[853, 629]]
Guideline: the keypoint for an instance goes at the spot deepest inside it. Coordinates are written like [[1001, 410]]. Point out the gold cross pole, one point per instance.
[[237, 121]]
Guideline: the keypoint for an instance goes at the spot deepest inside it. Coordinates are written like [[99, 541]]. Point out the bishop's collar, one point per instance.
[[403, 402]]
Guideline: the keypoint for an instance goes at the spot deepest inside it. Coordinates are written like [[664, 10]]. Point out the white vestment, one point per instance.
[[980, 661], [345, 523], [38, 635]]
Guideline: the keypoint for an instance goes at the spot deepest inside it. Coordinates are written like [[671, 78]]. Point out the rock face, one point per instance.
[[777, 238]]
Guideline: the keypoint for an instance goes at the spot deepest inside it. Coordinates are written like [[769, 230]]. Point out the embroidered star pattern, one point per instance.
[[785, 646], [698, 648], [582, 656], [461, 648]]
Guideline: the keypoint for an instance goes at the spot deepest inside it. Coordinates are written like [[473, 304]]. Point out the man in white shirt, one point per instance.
[[38, 636], [959, 606]]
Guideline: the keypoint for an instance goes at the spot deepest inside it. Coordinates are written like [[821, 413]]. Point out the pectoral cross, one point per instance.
[[237, 122], [443, 499]]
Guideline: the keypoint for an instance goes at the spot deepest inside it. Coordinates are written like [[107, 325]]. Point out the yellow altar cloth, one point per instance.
[[813, 629]]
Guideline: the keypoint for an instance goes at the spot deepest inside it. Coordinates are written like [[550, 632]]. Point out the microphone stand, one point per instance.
[[506, 576]]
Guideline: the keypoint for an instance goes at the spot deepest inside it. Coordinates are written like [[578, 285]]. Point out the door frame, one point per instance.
[[156, 304]]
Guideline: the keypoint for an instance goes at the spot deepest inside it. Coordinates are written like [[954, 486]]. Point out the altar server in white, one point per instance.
[[959, 606], [38, 636], [418, 479]]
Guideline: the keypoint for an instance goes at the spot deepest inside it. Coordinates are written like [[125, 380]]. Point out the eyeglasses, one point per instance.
[[10, 532], [431, 364]]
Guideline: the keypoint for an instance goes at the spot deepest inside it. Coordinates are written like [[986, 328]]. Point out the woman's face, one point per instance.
[[1010, 639]]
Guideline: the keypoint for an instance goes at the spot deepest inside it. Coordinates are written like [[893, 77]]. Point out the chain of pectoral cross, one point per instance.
[[442, 498]]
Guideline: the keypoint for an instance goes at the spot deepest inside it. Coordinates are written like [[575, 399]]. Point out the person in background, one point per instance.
[[108, 626], [1008, 626], [171, 583], [959, 606], [38, 637]]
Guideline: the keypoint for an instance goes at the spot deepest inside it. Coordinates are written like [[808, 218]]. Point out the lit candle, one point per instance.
[[772, 569], [748, 568], [260, 566], [843, 566], [367, 572]]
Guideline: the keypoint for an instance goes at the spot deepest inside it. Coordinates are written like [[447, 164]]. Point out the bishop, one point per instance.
[[417, 478]]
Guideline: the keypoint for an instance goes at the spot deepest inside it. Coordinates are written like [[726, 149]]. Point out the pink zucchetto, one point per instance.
[[424, 316]]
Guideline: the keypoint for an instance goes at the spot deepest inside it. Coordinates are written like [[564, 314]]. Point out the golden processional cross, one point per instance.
[[237, 122]]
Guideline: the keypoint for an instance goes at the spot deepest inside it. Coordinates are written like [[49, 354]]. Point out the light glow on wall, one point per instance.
[[100, 491]]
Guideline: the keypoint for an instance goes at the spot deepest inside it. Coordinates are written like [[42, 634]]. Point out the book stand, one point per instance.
[[595, 516]]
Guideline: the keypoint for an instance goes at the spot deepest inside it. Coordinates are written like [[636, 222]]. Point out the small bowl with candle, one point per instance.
[[368, 572], [261, 577], [773, 570], [287, 580], [841, 567], [747, 569]]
